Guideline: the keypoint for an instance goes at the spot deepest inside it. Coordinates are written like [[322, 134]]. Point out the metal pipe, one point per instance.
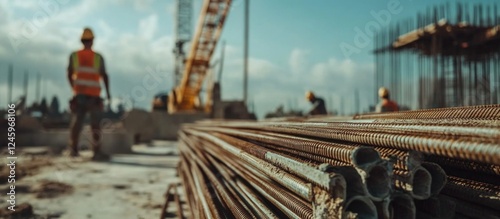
[[398, 205], [360, 207], [438, 177], [416, 182]]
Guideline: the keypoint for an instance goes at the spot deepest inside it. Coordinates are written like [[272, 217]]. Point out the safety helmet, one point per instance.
[[87, 34], [383, 92], [309, 95]]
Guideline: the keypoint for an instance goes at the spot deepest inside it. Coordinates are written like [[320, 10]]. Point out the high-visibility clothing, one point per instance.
[[387, 106], [86, 72]]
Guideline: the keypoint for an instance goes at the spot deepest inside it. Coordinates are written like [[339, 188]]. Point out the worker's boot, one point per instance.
[[98, 154], [73, 149]]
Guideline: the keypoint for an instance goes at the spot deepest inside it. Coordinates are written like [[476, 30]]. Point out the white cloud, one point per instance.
[[138, 5], [130, 56], [148, 26], [298, 61], [271, 85], [64, 14]]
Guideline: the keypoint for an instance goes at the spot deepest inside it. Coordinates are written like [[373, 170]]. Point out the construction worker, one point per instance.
[[318, 104], [85, 70], [386, 104]]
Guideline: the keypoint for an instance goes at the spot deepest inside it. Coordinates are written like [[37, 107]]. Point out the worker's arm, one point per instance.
[[70, 71], [105, 78], [314, 108]]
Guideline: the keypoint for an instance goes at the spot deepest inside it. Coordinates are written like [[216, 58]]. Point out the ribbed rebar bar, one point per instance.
[[359, 156], [405, 160], [465, 165], [480, 152], [473, 210], [374, 177], [468, 112], [437, 207], [477, 192], [444, 162]]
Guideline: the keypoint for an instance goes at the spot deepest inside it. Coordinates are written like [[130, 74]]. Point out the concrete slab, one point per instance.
[[129, 186], [112, 141]]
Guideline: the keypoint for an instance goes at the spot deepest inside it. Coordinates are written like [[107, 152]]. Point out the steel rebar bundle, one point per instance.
[[370, 168]]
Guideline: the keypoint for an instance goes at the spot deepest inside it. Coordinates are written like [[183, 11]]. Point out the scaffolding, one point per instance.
[[448, 56]]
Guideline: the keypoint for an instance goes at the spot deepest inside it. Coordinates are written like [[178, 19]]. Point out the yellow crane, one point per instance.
[[185, 96]]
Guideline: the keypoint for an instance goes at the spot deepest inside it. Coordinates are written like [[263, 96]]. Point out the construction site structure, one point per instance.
[[451, 51], [183, 28], [185, 97], [183, 104]]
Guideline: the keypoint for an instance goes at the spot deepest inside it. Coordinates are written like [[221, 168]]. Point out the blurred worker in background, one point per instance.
[[318, 104], [386, 104], [85, 70]]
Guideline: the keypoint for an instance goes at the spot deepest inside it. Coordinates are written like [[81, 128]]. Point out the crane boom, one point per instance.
[[212, 17]]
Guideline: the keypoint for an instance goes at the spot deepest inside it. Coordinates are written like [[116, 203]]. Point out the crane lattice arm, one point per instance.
[[208, 31]]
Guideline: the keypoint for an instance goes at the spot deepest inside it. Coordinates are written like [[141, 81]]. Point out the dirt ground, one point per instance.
[[129, 186]]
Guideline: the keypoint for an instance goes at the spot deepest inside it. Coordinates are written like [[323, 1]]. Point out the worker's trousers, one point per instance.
[[80, 106]]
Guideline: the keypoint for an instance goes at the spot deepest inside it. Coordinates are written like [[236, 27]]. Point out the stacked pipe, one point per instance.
[[371, 166]]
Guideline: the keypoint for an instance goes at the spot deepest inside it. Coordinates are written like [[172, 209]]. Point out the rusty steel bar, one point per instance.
[[396, 167], [236, 208], [473, 210], [251, 175], [468, 112], [354, 154], [294, 209], [228, 175], [475, 151], [257, 201], [320, 178], [437, 207], [404, 160], [375, 176], [374, 182], [465, 165], [477, 192], [484, 123]]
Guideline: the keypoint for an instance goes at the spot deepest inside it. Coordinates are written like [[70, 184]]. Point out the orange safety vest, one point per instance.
[[86, 73], [390, 106]]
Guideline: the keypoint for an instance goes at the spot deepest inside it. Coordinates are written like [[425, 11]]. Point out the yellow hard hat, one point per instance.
[[87, 34], [309, 95], [383, 92]]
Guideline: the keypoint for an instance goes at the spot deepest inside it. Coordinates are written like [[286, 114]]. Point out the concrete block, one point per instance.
[[167, 125], [113, 141], [139, 123], [28, 124]]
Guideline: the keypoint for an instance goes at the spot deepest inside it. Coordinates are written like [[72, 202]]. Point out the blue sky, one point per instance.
[[294, 47]]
